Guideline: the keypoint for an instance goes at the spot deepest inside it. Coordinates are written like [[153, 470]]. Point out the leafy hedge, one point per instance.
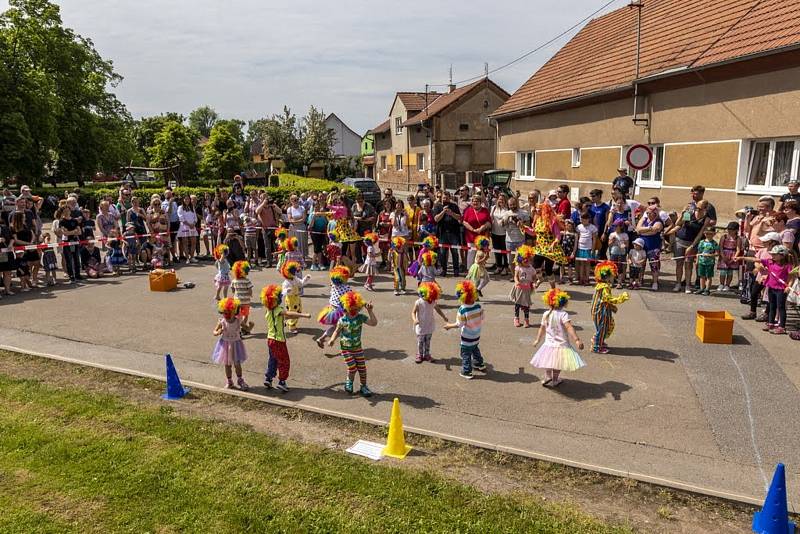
[[289, 183]]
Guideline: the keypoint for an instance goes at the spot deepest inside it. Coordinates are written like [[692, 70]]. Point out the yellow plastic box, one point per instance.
[[161, 280], [714, 327]]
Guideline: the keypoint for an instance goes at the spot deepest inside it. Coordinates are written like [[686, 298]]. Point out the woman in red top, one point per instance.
[[384, 227], [477, 221]]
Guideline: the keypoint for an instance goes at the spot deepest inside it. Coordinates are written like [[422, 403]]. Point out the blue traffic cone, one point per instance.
[[774, 517], [175, 389]]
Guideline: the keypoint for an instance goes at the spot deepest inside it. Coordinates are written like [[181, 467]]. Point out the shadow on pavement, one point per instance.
[[650, 354], [336, 391], [580, 391], [391, 354]]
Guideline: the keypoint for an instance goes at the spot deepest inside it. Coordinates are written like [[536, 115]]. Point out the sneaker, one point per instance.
[[721, 288], [762, 318], [194, 260], [268, 383], [778, 330], [242, 384], [676, 288], [481, 368], [468, 376], [348, 386], [688, 291], [726, 288], [282, 386], [707, 292], [229, 384], [516, 322], [364, 390], [396, 293], [601, 350], [418, 359], [749, 316], [767, 327], [428, 358]]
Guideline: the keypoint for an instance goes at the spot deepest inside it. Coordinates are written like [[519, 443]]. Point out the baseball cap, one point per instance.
[[770, 236], [779, 249]]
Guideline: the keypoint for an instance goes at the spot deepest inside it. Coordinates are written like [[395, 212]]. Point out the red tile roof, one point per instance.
[[382, 127], [446, 100], [675, 35], [417, 101]]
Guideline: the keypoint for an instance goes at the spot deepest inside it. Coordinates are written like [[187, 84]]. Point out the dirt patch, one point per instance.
[[644, 507]]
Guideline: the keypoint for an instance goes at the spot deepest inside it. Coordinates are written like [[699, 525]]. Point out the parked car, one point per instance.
[[368, 187], [498, 178]]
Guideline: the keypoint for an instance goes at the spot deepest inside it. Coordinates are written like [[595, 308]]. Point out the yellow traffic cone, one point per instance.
[[396, 442]]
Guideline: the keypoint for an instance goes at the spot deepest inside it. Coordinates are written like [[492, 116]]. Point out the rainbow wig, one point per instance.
[[228, 307], [220, 251], [525, 253], [352, 302], [482, 242], [340, 274], [333, 236], [271, 296], [240, 270], [398, 242], [605, 271], [429, 258], [281, 233], [290, 244], [290, 269], [555, 299], [429, 291], [430, 242], [466, 292], [370, 238]]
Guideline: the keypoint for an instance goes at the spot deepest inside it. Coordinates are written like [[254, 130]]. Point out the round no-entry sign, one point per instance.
[[639, 157]]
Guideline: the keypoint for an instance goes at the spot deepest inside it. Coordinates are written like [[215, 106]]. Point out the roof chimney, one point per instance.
[[451, 87]]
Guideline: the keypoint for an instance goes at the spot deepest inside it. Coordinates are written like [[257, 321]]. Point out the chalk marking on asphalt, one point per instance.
[[675, 484], [751, 422]]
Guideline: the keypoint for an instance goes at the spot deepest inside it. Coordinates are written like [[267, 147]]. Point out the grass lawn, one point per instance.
[[72, 461]]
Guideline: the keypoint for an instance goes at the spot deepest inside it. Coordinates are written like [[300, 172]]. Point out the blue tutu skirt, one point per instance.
[[229, 352]]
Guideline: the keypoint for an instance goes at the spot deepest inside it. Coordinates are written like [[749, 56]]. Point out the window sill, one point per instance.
[[650, 185], [756, 190], [525, 178]]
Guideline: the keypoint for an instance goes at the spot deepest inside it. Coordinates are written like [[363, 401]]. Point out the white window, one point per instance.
[[527, 164], [420, 161], [397, 128], [576, 157], [383, 162], [654, 174], [772, 163], [398, 163]]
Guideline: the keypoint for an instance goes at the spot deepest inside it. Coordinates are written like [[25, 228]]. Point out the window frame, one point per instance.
[[421, 161], [576, 157], [656, 165], [529, 158], [398, 129], [398, 158], [383, 163], [769, 187]]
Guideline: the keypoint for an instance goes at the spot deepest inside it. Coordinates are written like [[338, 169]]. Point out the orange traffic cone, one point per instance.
[[396, 442]]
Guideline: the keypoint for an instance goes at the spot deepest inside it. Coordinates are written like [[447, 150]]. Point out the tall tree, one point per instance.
[[203, 119], [223, 154], [281, 137], [146, 129], [174, 145], [317, 139]]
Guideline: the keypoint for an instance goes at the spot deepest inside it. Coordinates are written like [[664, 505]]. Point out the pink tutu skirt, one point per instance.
[[330, 315], [563, 358], [223, 356]]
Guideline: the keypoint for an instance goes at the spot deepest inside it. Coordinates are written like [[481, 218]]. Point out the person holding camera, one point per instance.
[[448, 224], [269, 215], [758, 221], [513, 216]]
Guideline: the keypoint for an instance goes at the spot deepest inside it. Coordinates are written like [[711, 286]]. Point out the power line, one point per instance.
[[526, 54]]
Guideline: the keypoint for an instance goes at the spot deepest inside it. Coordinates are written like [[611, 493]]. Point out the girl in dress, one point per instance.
[[477, 273], [229, 350], [427, 267], [524, 276], [158, 253], [556, 354], [399, 263], [730, 247], [423, 319], [222, 280], [116, 257], [334, 250], [330, 314], [49, 262], [370, 267], [292, 290]]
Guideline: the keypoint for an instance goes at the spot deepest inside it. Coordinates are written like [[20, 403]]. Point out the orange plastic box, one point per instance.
[[714, 327], [161, 280]]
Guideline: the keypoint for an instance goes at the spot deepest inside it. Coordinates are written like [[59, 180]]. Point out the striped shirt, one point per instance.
[[470, 319], [243, 290]]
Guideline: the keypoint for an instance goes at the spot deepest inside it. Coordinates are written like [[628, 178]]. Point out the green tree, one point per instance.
[[203, 119], [222, 155], [316, 139], [56, 110], [146, 129], [174, 145], [281, 137]]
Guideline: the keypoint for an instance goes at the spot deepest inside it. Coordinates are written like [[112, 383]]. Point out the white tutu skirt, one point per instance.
[[563, 358], [229, 352]]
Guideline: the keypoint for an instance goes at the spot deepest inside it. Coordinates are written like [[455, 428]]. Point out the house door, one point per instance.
[[463, 160]]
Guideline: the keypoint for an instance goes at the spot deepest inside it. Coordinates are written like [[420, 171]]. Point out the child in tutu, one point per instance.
[[330, 314], [157, 262], [222, 280], [243, 291], [229, 350], [334, 250], [477, 272], [292, 288], [370, 267], [291, 246], [604, 305], [349, 328], [524, 277], [427, 267], [278, 362], [399, 263], [116, 257], [556, 354], [422, 316], [470, 319]]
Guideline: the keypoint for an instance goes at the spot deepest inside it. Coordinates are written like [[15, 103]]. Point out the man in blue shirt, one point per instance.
[[599, 211]]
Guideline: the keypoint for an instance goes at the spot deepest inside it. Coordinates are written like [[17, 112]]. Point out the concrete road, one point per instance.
[[661, 407]]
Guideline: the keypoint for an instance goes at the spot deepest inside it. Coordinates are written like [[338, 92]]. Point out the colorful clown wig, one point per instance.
[[398, 242], [290, 269], [466, 292], [429, 291], [482, 242], [220, 251], [228, 307], [429, 258], [333, 236], [370, 238], [352, 302], [281, 233], [271, 296], [290, 244], [555, 298], [340, 274], [430, 242], [525, 253], [605, 271], [240, 270]]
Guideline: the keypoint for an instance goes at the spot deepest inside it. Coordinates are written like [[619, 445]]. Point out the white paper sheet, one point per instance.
[[368, 449]]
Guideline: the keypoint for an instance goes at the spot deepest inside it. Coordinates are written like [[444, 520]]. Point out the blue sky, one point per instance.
[[249, 58]]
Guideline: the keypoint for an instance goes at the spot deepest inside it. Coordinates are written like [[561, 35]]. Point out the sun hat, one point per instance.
[[770, 236], [639, 241]]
